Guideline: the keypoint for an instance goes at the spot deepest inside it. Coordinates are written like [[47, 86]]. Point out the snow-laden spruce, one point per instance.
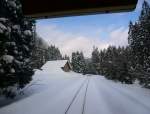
[[2, 28], [16, 44], [7, 59]]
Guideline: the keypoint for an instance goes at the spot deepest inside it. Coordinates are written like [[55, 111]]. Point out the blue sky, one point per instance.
[[83, 32]]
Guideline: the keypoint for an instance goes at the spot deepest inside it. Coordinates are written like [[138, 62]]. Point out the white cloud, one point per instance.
[[69, 42], [119, 37]]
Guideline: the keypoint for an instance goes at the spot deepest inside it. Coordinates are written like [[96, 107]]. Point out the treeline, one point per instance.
[[114, 63], [125, 64], [43, 52]]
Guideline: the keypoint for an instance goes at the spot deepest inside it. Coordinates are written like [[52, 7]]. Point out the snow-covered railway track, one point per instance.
[[83, 87]]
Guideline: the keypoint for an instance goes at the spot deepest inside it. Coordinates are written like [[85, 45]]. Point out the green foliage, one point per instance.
[[39, 56], [66, 57], [78, 62], [42, 52], [16, 44], [139, 41], [96, 60], [112, 63], [53, 53]]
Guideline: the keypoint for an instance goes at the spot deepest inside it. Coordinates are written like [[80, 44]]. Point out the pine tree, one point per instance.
[[78, 62], [66, 57], [39, 56], [54, 53], [139, 42], [114, 64], [96, 60], [16, 43]]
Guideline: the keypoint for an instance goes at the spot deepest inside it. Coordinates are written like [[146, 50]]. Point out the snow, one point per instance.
[[26, 22], [15, 51], [7, 58], [3, 19], [16, 27], [148, 69], [11, 43], [12, 70], [1, 70], [2, 28], [27, 33], [27, 60], [17, 62], [117, 98], [8, 29], [54, 66], [26, 47], [12, 3], [52, 91]]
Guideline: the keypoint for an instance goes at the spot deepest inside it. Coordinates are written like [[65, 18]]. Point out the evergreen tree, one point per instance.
[[66, 57], [39, 56], [16, 43], [96, 60], [78, 62], [139, 41], [89, 68], [113, 63], [54, 53]]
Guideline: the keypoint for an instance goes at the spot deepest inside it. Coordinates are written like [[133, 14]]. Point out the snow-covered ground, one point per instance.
[[53, 91]]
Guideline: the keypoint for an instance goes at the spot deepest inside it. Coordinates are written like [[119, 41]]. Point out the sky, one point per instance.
[[81, 33]]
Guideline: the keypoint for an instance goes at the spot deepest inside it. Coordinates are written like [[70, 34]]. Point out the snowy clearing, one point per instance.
[[54, 91]]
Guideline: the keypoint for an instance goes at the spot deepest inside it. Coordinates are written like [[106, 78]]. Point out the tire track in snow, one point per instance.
[[76, 94], [95, 103], [84, 102]]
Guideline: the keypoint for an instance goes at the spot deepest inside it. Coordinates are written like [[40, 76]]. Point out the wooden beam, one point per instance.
[[58, 8]]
